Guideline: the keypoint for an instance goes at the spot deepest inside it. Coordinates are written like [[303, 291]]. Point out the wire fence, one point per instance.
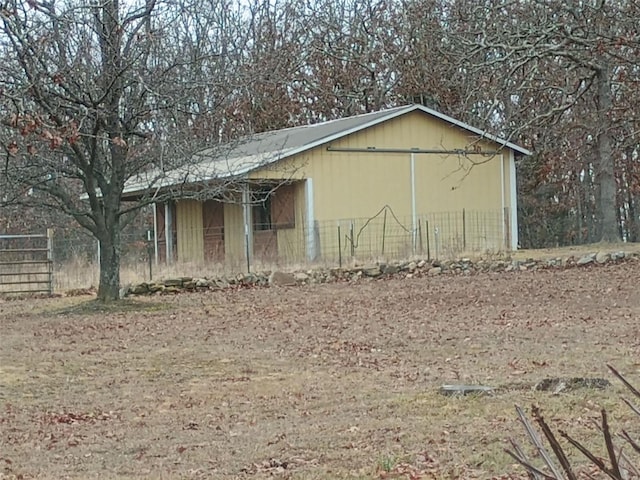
[[76, 259], [382, 238], [432, 236]]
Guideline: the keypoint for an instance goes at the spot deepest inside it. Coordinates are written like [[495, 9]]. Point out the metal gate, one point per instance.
[[26, 263]]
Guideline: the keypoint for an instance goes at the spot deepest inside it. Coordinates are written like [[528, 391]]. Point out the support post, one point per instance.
[[168, 232], [414, 218], [50, 259], [149, 251], [246, 219], [312, 251], [513, 202], [155, 232]]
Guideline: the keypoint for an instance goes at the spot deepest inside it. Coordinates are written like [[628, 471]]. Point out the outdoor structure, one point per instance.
[[390, 183]]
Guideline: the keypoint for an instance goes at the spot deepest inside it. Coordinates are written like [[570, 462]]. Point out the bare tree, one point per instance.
[[556, 65], [92, 95]]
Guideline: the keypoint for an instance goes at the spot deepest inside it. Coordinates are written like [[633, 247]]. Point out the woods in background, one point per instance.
[[91, 95]]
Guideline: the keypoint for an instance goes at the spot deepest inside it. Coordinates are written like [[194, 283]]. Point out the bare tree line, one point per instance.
[[93, 94]]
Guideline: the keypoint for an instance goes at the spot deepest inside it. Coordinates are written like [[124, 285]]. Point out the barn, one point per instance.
[[386, 183]]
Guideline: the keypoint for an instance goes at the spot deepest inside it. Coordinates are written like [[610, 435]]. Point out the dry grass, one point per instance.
[[318, 382], [79, 273], [577, 250]]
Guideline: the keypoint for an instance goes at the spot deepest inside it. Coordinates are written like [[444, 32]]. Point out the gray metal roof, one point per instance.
[[266, 148]]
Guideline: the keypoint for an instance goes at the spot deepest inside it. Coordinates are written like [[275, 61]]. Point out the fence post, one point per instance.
[[420, 235], [339, 247], [464, 231], [384, 229], [353, 247], [247, 248], [507, 230], [150, 249], [426, 229], [50, 258]]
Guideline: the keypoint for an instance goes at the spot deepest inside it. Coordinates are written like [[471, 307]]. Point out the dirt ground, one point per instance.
[[315, 382]]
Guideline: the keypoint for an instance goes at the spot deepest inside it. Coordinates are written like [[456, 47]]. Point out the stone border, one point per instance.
[[406, 269]]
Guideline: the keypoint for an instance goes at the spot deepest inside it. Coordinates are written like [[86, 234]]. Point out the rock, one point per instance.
[[372, 271], [172, 282], [460, 390], [412, 266], [168, 290], [500, 265], [587, 259], [301, 277], [124, 291], [602, 257], [434, 271], [252, 279], [202, 283], [189, 285], [421, 263], [618, 255], [282, 279], [559, 385], [139, 289], [155, 287], [389, 269]]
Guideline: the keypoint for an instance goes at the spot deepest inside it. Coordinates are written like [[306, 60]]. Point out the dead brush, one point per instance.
[[617, 465]]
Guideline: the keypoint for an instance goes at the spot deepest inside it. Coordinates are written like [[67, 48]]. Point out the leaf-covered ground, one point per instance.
[[316, 382]]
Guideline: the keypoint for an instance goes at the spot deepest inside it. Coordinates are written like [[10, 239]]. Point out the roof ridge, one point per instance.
[[326, 122]]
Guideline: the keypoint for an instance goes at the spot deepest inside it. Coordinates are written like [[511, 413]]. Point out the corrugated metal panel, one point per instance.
[[234, 234], [356, 185], [190, 231], [213, 223]]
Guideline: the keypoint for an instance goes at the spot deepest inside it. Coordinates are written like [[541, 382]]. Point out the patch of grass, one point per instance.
[[387, 463]]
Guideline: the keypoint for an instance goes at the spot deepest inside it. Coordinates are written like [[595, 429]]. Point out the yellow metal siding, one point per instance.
[[351, 185], [189, 231], [233, 233]]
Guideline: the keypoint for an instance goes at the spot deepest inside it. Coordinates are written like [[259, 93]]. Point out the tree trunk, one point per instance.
[[605, 173], [109, 288], [634, 223]]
